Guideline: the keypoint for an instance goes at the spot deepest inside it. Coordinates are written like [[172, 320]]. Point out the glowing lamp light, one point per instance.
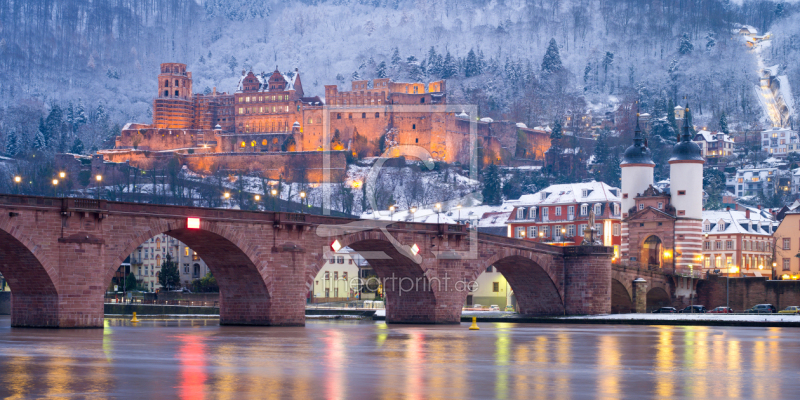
[[302, 195], [785, 277], [17, 179], [193, 223], [227, 195], [98, 177], [258, 198], [415, 249], [55, 182], [274, 192], [356, 184], [62, 174], [336, 246], [760, 267]]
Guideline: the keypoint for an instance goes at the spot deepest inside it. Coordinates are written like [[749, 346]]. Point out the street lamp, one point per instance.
[[391, 210], [274, 192], [99, 178], [258, 198], [302, 199], [62, 174], [413, 210], [459, 213], [17, 180], [438, 207]]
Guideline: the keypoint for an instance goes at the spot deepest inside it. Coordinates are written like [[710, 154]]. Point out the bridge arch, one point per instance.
[[409, 294], [532, 278], [34, 296], [657, 297], [621, 300], [239, 267]]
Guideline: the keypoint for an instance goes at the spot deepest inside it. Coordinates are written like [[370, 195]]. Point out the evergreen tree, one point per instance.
[[395, 56], [710, 41], [12, 144], [53, 122], [449, 66], [232, 64], [202, 59], [77, 147], [130, 282], [471, 67], [587, 74], [492, 186], [355, 76], [80, 114], [723, 123], [39, 143], [608, 60], [555, 134], [671, 115], [512, 188], [685, 46], [169, 277], [713, 185], [382, 144], [380, 71], [779, 10], [613, 173], [481, 62], [552, 60]]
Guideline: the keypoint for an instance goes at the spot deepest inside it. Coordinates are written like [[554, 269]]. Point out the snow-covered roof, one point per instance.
[[494, 219], [263, 80], [424, 215], [571, 193], [487, 119], [709, 136], [522, 125], [759, 223]]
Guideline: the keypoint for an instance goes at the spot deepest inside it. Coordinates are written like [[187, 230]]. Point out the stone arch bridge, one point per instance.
[[58, 255]]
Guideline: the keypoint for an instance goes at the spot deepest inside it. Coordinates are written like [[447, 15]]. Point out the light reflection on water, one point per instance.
[[198, 359]]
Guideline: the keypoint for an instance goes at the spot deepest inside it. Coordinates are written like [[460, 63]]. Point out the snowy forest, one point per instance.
[[73, 72]]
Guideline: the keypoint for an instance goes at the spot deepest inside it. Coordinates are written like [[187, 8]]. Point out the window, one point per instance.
[[532, 213], [660, 205], [787, 264], [571, 231], [344, 275], [721, 226], [584, 192], [616, 230], [718, 245], [557, 231], [490, 269], [787, 245], [532, 232], [584, 209], [545, 231], [339, 116], [581, 229], [598, 228], [598, 209], [545, 212], [728, 260], [341, 260], [377, 115], [336, 275], [558, 210], [681, 192], [571, 211], [718, 262], [707, 226], [520, 232], [706, 245], [413, 126], [186, 251], [176, 93], [641, 206], [496, 287], [729, 245], [707, 262], [332, 260], [327, 275], [363, 115], [520, 213]]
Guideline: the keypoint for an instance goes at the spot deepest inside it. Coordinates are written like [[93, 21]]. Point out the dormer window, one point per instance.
[[707, 226], [584, 209], [598, 209], [721, 226], [520, 213], [585, 193], [532, 213], [544, 195]]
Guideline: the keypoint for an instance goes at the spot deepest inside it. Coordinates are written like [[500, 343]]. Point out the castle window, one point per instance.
[[241, 110], [310, 121], [166, 83], [377, 115], [350, 116], [413, 126], [273, 109], [253, 143], [339, 116], [422, 100], [416, 140], [176, 93], [260, 98], [243, 145], [264, 142], [176, 83], [681, 192], [261, 109], [363, 115], [166, 93], [274, 140]]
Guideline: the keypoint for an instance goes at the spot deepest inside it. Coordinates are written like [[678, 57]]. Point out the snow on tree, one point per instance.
[[380, 71], [233, 64], [471, 68], [12, 144], [555, 134], [80, 114], [710, 41], [552, 60], [723, 123], [396, 56], [202, 59], [39, 142], [77, 147], [492, 186], [685, 47], [449, 66], [369, 27], [355, 76]]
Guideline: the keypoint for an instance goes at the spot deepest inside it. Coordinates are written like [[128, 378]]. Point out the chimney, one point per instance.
[[747, 213], [214, 91], [759, 206]]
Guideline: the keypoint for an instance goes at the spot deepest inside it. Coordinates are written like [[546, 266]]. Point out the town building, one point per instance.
[[661, 229], [338, 279], [146, 261], [787, 247], [490, 288], [752, 181], [559, 214], [779, 142], [739, 243], [714, 146]]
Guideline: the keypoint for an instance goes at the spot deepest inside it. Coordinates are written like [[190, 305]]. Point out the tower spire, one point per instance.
[[686, 136]]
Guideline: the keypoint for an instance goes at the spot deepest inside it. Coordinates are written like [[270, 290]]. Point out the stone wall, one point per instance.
[[747, 292]]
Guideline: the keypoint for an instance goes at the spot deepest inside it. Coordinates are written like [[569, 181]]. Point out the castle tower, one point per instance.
[[172, 108], [686, 195], [637, 175]]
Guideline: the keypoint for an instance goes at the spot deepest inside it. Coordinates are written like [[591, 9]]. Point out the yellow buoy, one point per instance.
[[134, 319], [474, 326]]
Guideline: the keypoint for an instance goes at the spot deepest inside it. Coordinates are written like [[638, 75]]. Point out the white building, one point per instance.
[[338, 279], [749, 181], [146, 261], [492, 289], [714, 144], [779, 141]]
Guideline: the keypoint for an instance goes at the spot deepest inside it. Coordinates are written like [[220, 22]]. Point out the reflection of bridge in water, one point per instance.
[[58, 256]]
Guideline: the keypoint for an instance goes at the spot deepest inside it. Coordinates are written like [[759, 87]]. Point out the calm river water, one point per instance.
[[198, 359]]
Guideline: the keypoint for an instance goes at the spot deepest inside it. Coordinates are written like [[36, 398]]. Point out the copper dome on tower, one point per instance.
[[686, 149], [638, 153]]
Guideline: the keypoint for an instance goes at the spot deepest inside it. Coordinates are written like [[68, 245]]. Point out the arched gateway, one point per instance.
[[58, 256]]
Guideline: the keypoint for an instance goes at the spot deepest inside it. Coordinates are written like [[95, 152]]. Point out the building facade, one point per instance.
[[714, 146], [338, 279], [752, 181], [779, 141], [787, 247], [146, 261], [738, 243], [559, 214], [491, 288]]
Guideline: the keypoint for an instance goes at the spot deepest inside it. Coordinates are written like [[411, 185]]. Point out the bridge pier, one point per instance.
[[587, 276]]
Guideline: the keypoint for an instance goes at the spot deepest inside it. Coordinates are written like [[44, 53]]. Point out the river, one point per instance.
[[198, 359]]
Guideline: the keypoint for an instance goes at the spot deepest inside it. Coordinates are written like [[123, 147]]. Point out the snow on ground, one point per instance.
[[695, 317]]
